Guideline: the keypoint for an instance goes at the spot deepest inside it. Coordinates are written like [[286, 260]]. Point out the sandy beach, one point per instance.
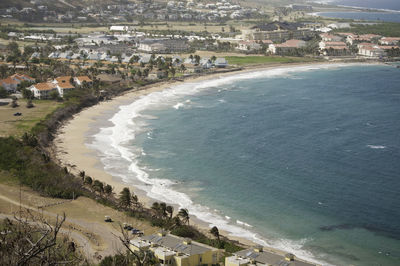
[[72, 151]]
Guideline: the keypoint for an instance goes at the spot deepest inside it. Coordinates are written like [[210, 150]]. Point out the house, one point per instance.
[[173, 250], [330, 37], [259, 256], [81, 80], [248, 46], [324, 44], [288, 45], [157, 74], [389, 40], [371, 51], [42, 90], [220, 62], [11, 83], [163, 45], [119, 28], [205, 63], [63, 84]]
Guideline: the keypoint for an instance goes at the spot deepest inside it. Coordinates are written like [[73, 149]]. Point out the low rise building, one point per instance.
[[259, 256], [63, 84], [247, 46], [288, 45], [42, 90], [173, 250], [81, 80]]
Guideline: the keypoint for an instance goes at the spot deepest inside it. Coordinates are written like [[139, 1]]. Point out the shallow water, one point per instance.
[[302, 159]]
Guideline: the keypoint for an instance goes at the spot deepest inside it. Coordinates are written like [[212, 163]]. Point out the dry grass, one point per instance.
[[11, 125]]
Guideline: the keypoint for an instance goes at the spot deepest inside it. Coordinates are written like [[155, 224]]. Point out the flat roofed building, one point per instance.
[[259, 256], [174, 250]]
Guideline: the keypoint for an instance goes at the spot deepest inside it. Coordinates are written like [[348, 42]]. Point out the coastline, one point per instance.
[[71, 141]]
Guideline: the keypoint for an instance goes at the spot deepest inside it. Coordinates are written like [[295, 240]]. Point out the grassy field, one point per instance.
[[11, 125], [256, 60]]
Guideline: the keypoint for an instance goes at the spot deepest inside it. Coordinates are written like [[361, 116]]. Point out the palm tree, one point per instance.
[[215, 232], [184, 215], [170, 210]]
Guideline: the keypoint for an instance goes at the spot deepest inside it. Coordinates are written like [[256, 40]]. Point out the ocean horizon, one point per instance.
[[300, 158]]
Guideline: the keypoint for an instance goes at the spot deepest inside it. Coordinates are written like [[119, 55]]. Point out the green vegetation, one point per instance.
[[383, 29], [252, 60]]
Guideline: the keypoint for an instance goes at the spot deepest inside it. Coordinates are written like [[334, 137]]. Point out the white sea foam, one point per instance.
[[178, 106], [115, 143], [376, 147]]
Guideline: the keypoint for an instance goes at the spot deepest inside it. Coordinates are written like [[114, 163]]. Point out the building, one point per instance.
[[220, 62], [42, 90], [389, 40], [259, 256], [11, 83], [371, 51], [286, 46], [326, 37], [157, 74], [248, 46], [81, 80], [163, 45], [278, 31], [63, 84], [173, 250]]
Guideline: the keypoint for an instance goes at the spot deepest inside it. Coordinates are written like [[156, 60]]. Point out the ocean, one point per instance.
[[304, 159], [365, 16], [372, 4]]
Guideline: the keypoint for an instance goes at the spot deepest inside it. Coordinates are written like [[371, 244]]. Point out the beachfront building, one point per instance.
[[221, 62], [277, 31], [173, 250], [81, 80], [286, 46], [42, 90], [63, 84], [259, 256]]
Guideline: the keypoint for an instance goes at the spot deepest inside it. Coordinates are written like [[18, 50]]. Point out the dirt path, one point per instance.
[[95, 239]]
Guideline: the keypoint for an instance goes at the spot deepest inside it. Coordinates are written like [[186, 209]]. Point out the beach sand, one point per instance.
[[71, 149]]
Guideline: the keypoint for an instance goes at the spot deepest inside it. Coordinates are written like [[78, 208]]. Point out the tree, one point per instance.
[[184, 215], [108, 189], [3, 93], [215, 232], [3, 70], [54, 95], [27, 94], [88, 180], [14, 103], [32, 240], [29, 104], [170, 211], [98, 186], [125, 198]]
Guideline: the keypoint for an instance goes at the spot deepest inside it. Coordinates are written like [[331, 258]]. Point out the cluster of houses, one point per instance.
[[61, 85], [151, 10], [368, 45], [10, 84], [173, 250]]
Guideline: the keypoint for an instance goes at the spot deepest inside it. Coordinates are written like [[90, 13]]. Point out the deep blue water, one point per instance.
[[310, 160], [367, 16]]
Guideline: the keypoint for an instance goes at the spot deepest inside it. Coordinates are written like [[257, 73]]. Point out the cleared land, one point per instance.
[[85, 218], [11, 125]]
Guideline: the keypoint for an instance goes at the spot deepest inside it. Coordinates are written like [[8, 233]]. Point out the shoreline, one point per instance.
[[71, 140]]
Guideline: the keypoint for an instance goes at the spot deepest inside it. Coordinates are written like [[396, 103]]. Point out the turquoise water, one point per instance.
[[304, 159]]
